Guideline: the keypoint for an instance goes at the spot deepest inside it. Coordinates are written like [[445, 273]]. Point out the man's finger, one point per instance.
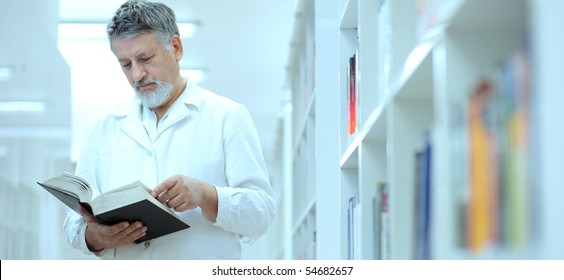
[[165, 185], [115, 229], [132, 233]]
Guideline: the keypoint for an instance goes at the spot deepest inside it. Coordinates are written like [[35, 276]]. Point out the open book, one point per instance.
[[132, 202]]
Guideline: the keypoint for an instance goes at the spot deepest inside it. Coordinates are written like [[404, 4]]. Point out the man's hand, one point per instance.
[[100, 236], [182, 193]]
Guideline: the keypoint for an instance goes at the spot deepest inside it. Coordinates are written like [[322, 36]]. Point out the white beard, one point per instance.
[[156, 98]]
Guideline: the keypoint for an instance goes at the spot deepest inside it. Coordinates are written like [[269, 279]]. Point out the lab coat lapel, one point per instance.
[[133, 127], [191, 97], [177, 113]]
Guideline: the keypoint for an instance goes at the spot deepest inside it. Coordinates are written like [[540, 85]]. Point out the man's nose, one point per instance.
[[137, 72]]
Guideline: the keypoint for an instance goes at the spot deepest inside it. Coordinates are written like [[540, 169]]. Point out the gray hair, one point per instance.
[[136, 17]]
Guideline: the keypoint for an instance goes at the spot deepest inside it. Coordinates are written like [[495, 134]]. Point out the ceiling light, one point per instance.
[[6, 73], [82, 31], [288, 108], [22, 106], [97, 31], [196, 75], [187, 29]]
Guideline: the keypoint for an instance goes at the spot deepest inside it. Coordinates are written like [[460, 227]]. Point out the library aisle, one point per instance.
[[424, 129]]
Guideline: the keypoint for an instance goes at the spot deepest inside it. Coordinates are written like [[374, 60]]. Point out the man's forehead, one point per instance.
[[135, 46]]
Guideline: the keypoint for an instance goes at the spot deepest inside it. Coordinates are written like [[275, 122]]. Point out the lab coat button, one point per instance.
[[147, 244]]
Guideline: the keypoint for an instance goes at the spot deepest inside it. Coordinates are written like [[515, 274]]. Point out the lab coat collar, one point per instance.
[[131, 111], [193, 95]]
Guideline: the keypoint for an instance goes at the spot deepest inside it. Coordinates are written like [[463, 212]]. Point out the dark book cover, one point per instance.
[[157, 221], [69, 199]]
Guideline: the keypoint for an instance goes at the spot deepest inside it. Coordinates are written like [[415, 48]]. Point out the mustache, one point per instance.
[[145, 82]]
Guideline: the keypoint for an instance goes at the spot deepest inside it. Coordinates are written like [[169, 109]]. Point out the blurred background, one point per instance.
[[57, 73]]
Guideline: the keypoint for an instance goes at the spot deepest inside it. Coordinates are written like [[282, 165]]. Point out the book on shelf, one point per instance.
[[350, 228], [422, 234], [132, 202], [310, 251], [357, 230], [377, 220], [382, 242], [352, 96], [479, 210], [354, 229]]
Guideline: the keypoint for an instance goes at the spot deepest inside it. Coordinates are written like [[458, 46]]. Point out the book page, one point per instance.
[[72, 185], [125, 195]]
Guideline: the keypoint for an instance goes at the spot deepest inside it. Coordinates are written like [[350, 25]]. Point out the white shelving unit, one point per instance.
[[316, 191], [416, 66]]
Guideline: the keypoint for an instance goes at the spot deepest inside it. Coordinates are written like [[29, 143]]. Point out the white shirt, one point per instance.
[[203, 135]]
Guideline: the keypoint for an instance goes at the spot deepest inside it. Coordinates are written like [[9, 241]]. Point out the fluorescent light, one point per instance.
[[196, 75], [187, 29], [97, 31], [34, 132], [82, 31], [6, 73], [288, 107], [22, 106]]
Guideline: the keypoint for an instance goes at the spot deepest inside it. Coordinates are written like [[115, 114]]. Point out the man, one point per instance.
[[199, 150]]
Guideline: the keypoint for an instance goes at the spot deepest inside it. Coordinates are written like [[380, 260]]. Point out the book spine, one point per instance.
[[350, 227], [352, 97], [422, 225], [385, 230]]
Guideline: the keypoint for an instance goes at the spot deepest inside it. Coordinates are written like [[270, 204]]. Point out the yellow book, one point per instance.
[[479, 208]]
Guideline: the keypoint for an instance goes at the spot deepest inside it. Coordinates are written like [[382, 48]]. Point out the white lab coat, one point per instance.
[[203, 135]]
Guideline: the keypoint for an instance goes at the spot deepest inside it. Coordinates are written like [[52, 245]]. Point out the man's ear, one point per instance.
[[177, 47]]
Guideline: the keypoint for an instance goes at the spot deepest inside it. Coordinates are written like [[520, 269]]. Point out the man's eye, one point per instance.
[[146, 59], [126, 66]]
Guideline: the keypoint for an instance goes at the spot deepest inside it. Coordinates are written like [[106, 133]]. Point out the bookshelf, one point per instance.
[[450, 107], [315, 144]]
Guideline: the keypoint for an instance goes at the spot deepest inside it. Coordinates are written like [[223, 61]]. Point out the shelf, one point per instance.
[[373, 129], [375, 126], [349, 18], [416, 80], [303, 215], [302, 128], [414, 84]]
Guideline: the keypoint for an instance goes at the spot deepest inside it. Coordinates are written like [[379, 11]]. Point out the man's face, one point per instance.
[[150, 68]]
